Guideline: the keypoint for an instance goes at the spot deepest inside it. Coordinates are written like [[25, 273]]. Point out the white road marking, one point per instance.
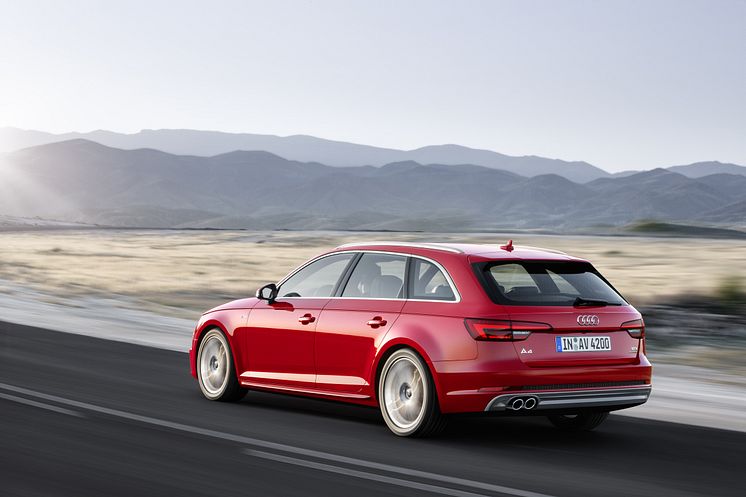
[[362, 474], [273, 445], [40, 405]]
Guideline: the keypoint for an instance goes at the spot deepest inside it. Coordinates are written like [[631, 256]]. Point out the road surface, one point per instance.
[[85, 416]]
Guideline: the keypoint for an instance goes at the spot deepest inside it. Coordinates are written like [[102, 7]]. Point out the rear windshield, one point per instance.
[[545, 283]]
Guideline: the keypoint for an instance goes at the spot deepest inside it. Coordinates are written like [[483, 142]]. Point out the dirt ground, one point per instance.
[[196, 269], [178, 274]]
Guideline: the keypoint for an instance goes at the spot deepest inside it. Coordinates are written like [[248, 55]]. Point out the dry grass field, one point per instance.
[[197, 269], [179, 274]]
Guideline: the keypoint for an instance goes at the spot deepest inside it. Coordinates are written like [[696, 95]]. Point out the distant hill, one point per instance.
[[83, 181], [306, 149], [731, 213], [700, 169], [669, 229]]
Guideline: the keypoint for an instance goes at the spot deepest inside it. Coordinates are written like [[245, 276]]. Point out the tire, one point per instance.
[[407, 396], [215, 372], [582, 421]]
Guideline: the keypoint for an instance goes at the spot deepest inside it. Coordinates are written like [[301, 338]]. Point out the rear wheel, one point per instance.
[[407, 397], [215, 372], [582, 421]]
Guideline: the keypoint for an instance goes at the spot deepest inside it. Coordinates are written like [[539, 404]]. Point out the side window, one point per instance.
[[317, 279], [377, 276], [563, 285], [428, 282], [513, 280]]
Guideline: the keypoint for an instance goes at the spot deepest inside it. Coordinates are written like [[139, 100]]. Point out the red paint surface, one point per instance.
[[337, 355]]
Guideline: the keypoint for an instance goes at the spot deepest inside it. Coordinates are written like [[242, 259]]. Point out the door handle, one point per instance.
[[306, 319], [376, 322]]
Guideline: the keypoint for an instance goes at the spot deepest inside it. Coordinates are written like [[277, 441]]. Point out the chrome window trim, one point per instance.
[[431, 246], [363, 251]]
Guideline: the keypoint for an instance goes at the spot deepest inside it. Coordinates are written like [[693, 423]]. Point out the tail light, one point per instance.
[[502, 331], [636, 328]]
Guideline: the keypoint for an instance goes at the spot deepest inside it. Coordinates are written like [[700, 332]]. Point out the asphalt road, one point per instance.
[[83, 416]]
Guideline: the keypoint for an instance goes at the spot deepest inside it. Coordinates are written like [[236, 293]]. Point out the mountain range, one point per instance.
[[334, 153], [84, 181]]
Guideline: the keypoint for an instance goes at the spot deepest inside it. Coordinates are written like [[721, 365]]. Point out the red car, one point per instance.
[[426, 330]]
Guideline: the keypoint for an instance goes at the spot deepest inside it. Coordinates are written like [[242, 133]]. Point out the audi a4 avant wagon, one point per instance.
[[427, 330]]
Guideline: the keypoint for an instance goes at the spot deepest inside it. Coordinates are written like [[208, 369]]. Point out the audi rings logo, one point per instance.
[[588, 320]]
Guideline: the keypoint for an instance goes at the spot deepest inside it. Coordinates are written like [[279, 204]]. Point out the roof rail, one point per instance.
[[432, 246]]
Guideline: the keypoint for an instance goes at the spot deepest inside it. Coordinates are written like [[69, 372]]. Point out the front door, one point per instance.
[[280, 338]]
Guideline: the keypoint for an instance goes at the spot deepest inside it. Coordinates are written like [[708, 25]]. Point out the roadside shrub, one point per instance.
[[732, 295]]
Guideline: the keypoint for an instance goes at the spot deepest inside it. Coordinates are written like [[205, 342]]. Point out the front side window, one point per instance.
[[317, 279], [546, 283], [377, 276], [427, 282]]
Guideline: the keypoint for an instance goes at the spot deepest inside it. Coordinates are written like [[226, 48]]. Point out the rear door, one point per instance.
[[586, 317], [352, 325]]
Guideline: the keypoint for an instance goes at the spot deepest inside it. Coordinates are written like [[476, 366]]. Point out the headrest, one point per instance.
[[387, 286]]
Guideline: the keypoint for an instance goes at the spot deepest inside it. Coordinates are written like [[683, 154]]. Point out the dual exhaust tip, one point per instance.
[[519, 403]]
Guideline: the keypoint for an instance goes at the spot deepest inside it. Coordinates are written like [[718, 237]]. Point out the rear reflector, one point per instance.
[[636, 328], [502, 331]]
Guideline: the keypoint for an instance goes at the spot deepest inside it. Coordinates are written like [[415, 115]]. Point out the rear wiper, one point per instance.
[[580, 302]]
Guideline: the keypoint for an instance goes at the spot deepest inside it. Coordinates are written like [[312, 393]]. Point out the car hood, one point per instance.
[[246, 303]]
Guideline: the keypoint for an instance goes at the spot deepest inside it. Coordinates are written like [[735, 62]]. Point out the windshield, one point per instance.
[[546, 283]]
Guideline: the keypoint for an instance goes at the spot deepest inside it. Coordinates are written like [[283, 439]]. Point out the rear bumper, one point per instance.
[[606, 398], [471, 386]]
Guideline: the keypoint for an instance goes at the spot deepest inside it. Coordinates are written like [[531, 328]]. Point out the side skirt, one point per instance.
[[303, 391]]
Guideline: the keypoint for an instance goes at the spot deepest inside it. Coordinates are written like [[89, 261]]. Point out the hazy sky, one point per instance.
[[620, 84]]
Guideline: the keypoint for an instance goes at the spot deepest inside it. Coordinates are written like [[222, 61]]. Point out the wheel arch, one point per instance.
[[397, 344], [204, 327]]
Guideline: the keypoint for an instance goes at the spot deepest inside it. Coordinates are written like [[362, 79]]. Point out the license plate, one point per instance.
[[583, 344]]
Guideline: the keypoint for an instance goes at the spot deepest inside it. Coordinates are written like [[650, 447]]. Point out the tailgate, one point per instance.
[[579, 336]]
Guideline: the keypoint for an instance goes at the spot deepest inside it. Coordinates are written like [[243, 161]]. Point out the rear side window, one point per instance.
[[377, 276], [427, 282], [545, 283]]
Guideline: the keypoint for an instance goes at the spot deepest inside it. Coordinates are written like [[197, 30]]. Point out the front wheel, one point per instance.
[[407, 397], [582, 421], [215, 372]]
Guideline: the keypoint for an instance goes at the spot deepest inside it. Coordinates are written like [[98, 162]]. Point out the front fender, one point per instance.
[[229, 321]]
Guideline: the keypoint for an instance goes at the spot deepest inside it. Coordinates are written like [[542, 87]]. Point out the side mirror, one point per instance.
[[267, 292]]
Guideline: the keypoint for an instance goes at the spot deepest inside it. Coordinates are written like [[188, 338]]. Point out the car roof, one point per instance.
[[475, 251]]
